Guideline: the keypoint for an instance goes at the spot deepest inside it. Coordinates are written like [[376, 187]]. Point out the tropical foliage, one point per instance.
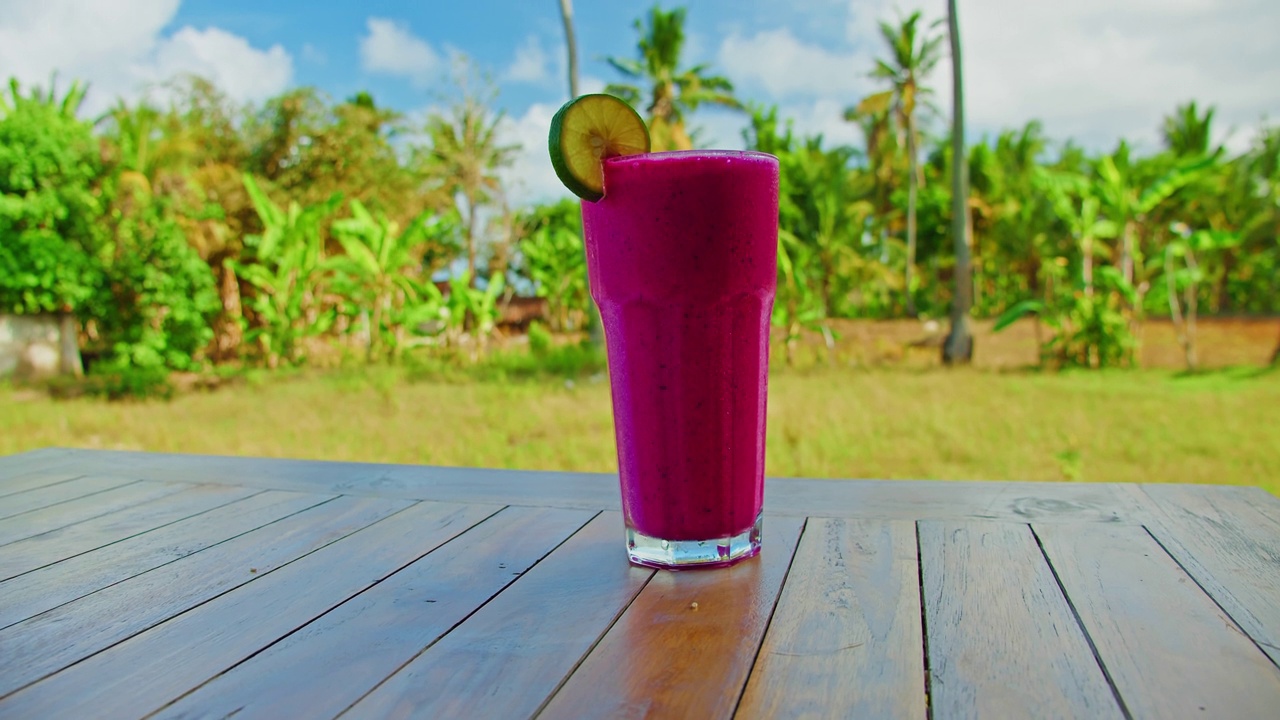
[[202, 232], [673, 91]]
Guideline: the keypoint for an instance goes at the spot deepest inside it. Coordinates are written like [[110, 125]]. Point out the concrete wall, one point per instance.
[[33, 346]]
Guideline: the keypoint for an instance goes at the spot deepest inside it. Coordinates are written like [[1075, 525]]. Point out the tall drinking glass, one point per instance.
[[682, 257]]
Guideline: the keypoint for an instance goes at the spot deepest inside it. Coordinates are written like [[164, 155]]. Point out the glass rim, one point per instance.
[[655, 157]]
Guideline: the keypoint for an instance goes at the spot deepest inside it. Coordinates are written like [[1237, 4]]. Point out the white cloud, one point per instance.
[[591, 84], [1097, 70], [530, 178], [778, 63], [824, 116], [117, 47], [238, 69], [720, 128], [1092, 70], [530, 63], [71, 36], [390, 47]]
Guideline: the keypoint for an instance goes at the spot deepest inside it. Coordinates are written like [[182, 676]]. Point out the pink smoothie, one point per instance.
[[682, 257]]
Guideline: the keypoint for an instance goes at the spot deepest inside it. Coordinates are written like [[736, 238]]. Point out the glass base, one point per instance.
[[690, 554]]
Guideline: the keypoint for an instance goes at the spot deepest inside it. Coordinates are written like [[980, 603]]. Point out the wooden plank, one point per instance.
[[1003, 501], [67, 634], [504, 660], [47, 519], [1001, 639], [35, 592], [31, 500], [1227, 540], [684, 648], [162, 664], [20, 483], [31, 461], [1168, 648], [56, 545], [1019, 502], [328, 665], [450, 484], [845, 640]]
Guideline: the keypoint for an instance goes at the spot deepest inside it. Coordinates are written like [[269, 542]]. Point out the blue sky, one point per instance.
[[497, 34], [1092, 70]]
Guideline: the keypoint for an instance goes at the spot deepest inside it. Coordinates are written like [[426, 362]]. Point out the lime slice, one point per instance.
[[586, 131]]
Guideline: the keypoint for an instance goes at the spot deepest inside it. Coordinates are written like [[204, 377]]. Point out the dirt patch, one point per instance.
[[1221, 342]]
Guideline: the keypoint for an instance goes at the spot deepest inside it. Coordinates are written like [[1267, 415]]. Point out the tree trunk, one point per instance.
[[1175, 312], [958, 348], [911, 212], [375, 330], [1086, 250], [1191, 296], [1185, 327], [1126, 253], [1275, 355], [471, 241], [595, 328], [228, 334], [571, 45], [69, 361]]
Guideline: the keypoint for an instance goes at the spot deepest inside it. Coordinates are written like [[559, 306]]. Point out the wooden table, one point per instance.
[[147, 585]]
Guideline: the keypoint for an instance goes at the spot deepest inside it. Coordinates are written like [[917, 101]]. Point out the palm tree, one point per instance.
[[147, 142], [465, 154], [1186, 132], [571, 45], [1025, 218], [913, 55], [675, 91], [959, 345], [883, 161]]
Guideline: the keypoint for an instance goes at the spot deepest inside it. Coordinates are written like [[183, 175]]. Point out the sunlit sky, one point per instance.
[[1092, 70]]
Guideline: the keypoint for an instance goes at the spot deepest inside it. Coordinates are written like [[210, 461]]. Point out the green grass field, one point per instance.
[[1133, 426]]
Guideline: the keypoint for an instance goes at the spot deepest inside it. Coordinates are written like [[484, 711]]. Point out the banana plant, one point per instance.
[[284, 268], [798, 307], [1088, 330], [474, 306], [1076, 204], [1128, 204], [553, 257], [1183, 274], [376, 272]]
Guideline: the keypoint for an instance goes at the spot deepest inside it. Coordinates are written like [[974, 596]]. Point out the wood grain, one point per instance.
[[63, 514], [1020, 502], [1169, 650], [1230, 544], [1002, 641], [13, 484], [43, 497], [845, 640], [50, 547], [69, 633], [517, 649], [669, 657], [35, 592], [174, 657], [328, 665]]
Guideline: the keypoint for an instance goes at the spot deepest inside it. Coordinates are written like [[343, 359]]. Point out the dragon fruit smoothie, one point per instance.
[[682, 257]]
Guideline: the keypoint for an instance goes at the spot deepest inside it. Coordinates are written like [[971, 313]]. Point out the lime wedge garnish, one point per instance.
[[585, 132]]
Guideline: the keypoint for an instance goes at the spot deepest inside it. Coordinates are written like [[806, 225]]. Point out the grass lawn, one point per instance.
[[1130, 426]]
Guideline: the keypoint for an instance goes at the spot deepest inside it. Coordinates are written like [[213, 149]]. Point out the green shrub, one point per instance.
[[115, 382], [539, 340]]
